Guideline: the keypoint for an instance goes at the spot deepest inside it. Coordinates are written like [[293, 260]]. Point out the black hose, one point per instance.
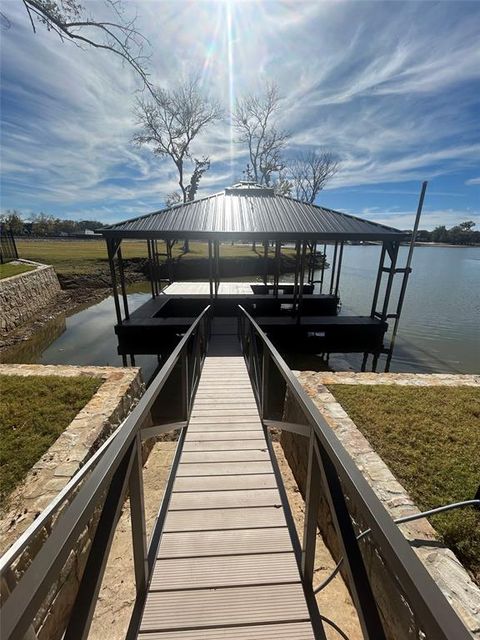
[[415, 516]]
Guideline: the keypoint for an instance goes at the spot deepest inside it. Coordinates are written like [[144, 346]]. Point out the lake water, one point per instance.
[[439, 330]]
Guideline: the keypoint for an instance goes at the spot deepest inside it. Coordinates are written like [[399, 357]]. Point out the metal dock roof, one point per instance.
[[256, 213]]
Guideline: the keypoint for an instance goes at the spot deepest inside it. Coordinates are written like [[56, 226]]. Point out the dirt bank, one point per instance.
[[182, 268]]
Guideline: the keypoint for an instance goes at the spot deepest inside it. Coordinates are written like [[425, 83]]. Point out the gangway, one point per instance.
[[224, 560], [226, 565]]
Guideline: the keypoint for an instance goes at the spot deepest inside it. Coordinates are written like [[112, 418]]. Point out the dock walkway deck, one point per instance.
[[226, 566]]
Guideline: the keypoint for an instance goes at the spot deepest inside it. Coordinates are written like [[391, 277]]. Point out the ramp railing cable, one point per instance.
[[334, 480], [94, 500]]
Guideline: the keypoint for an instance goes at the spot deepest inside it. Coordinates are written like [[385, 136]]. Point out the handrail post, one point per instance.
[[137, 516], [362, 594], [312, 505], [265, 383], [184, 382], [86, 600]]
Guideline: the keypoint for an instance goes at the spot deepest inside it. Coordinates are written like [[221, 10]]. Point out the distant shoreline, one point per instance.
[[445, 244]]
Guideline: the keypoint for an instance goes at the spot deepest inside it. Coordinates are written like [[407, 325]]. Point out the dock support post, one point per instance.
[[381, 264], [111, 250], [150, 268], [297, 270], [216, 247], [339, 268], [265, 263], [169, 247], [210, 268], [155, 262], [153, 267], [311, 263], [278, 249], [157, 267], [302, 277], [334, 266], [322, 274], [392, 249], [122, 281]]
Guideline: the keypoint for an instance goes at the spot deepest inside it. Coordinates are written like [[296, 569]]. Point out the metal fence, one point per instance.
[[112, 474], [345, 490], [8, 248]]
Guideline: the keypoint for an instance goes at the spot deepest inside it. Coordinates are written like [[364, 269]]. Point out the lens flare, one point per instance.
[[231, 88]]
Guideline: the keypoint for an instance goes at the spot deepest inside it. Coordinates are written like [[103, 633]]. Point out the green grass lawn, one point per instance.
[[79, 256], [35, 410], [85, 256], [430, 439], [11, 269]]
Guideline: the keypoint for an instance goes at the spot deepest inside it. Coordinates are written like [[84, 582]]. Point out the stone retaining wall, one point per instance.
[[119, 392], [454, 581], [21, 296]]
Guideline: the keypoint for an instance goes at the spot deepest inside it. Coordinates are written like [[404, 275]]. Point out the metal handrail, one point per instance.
[[117, 472], [329, 462]]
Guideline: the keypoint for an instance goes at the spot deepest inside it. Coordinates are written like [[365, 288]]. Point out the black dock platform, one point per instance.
[[157, 325]]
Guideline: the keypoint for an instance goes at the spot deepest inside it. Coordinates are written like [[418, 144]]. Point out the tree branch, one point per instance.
[[66, 19]]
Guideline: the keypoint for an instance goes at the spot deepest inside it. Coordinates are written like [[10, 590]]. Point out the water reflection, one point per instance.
[[30, 350], [89, 339], [85, 338]]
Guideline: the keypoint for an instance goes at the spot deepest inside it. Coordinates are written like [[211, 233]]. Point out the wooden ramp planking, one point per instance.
[[225, 566]]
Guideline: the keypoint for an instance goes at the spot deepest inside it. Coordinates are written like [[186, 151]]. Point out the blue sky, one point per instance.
[[392, 87]]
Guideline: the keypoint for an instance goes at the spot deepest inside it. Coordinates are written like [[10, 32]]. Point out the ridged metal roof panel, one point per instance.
[[253, 213]]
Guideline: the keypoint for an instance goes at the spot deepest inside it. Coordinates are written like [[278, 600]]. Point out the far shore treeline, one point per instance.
[[44, 225]]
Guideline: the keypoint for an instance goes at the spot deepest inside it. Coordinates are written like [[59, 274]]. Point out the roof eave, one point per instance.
[[257, 236]]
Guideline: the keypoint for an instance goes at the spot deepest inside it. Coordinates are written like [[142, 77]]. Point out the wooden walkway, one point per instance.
[[225, 567], [226, 288]]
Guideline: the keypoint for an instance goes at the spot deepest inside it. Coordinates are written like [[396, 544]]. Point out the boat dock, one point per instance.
[[160, 321]]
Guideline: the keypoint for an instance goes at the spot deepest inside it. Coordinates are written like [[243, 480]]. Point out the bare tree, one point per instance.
[[70, 20], [172, 199], [310, 172], [170, 123], [254, 120]]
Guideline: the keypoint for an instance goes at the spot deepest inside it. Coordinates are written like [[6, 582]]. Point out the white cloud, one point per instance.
[[389, 86], [429, 220]]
